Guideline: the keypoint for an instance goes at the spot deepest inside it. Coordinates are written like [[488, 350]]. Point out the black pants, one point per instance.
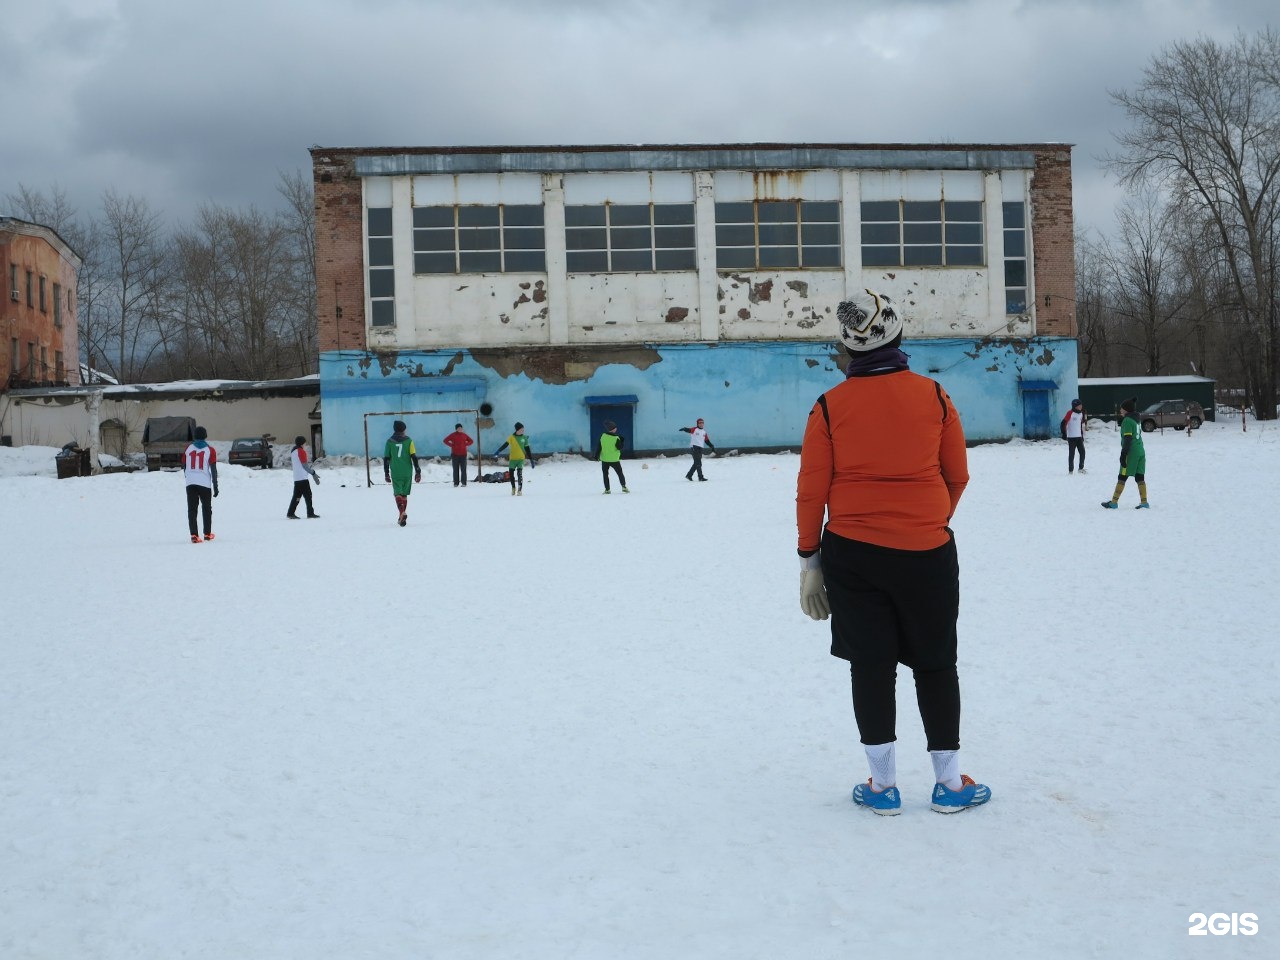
[[199, 497], [1074, 444], [889, 607], [697, 464], [301, 491], [517, 476], [459, 469], [617, 468]]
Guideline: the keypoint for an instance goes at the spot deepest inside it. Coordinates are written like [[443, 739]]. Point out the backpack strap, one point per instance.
[[826, 414], [942, 400]]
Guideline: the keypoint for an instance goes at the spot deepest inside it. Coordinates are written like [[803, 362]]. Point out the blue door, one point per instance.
[[623, 415], [1035, 414]]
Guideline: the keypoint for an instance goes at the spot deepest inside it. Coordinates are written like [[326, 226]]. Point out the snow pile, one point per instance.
[[566, 724]]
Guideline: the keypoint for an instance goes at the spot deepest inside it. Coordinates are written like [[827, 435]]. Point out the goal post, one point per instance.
[[403, 415]]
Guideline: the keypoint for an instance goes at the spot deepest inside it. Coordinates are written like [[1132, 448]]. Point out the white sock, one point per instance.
[[946, 768], [884, 765]]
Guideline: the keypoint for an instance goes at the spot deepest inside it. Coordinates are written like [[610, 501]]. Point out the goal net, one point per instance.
[[424, 428]]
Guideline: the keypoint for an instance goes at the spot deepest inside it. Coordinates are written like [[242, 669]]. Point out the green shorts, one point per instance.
[[401, 484]]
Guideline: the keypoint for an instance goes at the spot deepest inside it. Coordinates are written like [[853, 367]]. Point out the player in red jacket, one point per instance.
[[457, 442]]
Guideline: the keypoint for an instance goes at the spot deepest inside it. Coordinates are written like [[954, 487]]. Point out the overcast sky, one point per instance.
[[183, 103]]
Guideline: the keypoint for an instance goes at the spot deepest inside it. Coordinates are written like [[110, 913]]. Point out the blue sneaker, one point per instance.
[[887, 803], [1143, 506], [1110, 504], [969, 795]]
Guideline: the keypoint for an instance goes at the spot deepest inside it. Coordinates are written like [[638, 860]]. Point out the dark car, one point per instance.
[[1171, 413], [251, 452]]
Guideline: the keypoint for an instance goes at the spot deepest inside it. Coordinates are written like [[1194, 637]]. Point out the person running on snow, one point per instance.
[[1073, 432], [609, 453], [301, 485], [698, 439], [883, 460], [400, 468], [519, 450], [457, 442], [200, 470], [1133, 457]]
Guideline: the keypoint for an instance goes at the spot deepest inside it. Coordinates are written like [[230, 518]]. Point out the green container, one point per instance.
[[1102, 395]]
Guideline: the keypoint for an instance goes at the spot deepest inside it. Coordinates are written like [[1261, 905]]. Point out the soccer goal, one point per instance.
[[407, 416]]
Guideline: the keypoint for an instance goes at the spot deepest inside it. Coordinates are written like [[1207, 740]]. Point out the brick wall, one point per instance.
[[339, 254], [1053, 243], [30, 324]]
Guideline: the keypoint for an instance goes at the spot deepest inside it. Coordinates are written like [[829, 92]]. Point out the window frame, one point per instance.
[[775, 248], [382, 307], [501, 246], [1019, 230], [660, 221], [918, 232]]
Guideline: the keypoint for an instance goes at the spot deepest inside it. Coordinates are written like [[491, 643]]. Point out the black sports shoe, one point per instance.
[[312, 516], [292, 516]]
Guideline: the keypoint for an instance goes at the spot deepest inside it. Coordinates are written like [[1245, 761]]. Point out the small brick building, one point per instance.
[[38, 340], [656, 284]]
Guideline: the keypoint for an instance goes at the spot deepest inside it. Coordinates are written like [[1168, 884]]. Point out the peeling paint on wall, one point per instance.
[[799, 286], [762, 291], [562, 365], [744, 314], [677, 315]]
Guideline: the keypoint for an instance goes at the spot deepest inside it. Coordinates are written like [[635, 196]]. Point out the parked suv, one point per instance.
[[1171, 413], [251, 452]]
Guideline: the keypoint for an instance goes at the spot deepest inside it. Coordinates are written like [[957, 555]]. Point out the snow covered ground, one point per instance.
[[568, 725]]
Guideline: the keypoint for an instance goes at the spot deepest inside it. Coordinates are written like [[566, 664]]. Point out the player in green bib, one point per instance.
[[609, 453], [400, 467], [1133, 457], [520, 451]]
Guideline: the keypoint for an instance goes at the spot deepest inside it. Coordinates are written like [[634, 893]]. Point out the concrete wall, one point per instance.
[[55, 421], [752, 394]]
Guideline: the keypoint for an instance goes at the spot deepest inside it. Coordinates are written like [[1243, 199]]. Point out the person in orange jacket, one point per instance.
[[883, 461]]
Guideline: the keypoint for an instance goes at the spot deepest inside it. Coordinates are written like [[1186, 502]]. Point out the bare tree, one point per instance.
[[1207, 130], [300, 310], [1094, 315], [1143, 268], [135, 268]]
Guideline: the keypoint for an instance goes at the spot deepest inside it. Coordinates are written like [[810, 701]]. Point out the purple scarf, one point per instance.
[[880, 360]]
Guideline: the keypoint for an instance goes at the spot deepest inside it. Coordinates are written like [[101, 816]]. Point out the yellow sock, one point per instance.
[[1115, 497], [1142, 491]]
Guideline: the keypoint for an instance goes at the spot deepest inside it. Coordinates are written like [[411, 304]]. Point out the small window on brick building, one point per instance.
[[14, 366], [381, 268], [31, 360], [60, 369], [57, 305], [13, 282], [44, 295], [31, 286], [1015, 258], [44, 363]]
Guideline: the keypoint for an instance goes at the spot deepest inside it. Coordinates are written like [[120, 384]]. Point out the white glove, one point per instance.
[[813, 593]]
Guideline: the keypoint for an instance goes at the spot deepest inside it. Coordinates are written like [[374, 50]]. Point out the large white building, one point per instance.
[[652, 285]]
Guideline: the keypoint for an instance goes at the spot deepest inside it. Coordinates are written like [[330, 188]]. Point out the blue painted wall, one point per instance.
[[752, 394]]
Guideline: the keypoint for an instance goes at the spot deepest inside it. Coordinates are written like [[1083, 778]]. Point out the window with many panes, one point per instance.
[[1015, 257], [629, 237], [381, 266], [509, 238], [777, 233], [922, 233]]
